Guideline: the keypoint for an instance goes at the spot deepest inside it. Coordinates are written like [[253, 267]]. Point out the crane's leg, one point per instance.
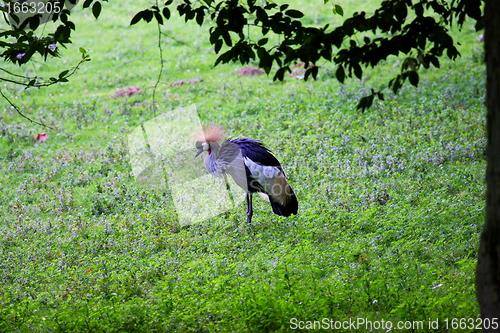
[[249, 207]]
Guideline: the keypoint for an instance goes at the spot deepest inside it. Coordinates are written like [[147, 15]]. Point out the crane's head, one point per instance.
[[202, 146], [208, 137]]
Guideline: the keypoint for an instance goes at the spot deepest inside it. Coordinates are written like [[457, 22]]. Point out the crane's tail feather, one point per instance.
[[289, 207]]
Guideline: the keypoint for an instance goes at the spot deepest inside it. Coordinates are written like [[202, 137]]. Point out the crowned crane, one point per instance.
[[251, 165]]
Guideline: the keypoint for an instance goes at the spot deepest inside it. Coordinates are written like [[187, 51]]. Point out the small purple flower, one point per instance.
[[53, 47], [20, 56]]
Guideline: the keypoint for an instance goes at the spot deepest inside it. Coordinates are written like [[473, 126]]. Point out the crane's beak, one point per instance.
[[200, 150]]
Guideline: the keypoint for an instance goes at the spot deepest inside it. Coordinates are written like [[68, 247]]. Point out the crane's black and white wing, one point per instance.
[[266, 175]]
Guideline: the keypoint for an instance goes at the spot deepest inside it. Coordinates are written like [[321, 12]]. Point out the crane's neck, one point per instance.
[[212, 156]]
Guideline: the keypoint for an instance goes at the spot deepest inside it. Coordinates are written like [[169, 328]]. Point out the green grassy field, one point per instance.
[[390, 200]]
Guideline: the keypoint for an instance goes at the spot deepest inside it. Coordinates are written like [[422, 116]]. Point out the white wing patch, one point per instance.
[[272, 180], [262, 173]]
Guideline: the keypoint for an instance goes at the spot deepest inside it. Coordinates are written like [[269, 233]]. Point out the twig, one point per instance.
[[70, 72], [179, 41], [135, 59], [153, 105], [13, 74], [21, 114]]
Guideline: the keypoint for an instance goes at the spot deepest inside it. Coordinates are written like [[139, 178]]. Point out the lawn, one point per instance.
[[391, 201]]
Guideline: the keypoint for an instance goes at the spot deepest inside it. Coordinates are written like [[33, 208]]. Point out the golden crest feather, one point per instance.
[[212, 133]]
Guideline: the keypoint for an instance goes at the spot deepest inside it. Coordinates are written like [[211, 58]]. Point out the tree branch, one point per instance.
[[21, 114], [153, 105], [33, 80]]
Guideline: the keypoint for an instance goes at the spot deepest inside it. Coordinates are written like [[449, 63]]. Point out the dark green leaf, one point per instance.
[[277, 58], [280, 74], [473, 9], [137, 17], [434, 61], [244, 58], [413, 78], [311, 71], [263, 41], [87, 3], [200, 15], [365, 102], [409, 63], [14, 17], [224, 58], [479, 25], [423, 60], [71, 25], [227, 38], [166, 12], [261, 16], [266, 60], [96, 9], [217, 45], [63, 17], [147, 15], [395, 84], [452, 52], [339, 10], [35, 22], [63, 73], [214, 35], [294, 13], [158, 17], [327, 53], [190, 14], [357, 70], [270, 5], [340, 74]]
